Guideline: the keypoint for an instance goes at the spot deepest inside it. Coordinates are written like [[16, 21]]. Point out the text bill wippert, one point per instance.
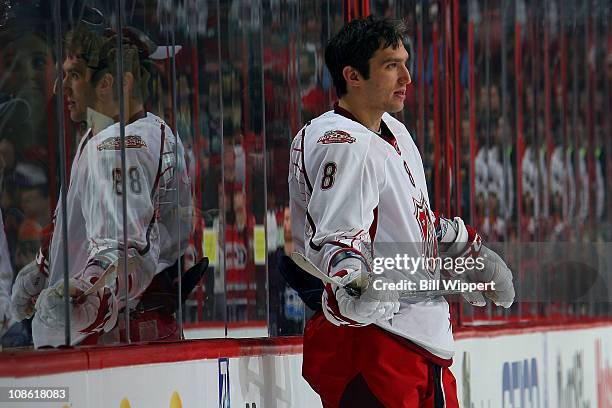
[[431, 284]]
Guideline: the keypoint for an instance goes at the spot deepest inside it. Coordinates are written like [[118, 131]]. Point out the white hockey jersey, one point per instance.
[[159, 211], [349, 187]]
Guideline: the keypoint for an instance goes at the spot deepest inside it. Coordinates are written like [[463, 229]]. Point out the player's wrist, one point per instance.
[[347, 258], [350, 268], [460, 240]]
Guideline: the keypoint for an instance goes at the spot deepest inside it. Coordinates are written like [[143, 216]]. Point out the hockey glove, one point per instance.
[[342, 308], [94, 313], [467, 243], [30, 281]]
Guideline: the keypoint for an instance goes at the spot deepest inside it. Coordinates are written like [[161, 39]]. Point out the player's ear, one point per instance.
[[105, 84], [128, 82], [351, 76]]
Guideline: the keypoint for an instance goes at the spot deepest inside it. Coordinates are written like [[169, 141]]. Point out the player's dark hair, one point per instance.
[[357, 42], [100, 55]]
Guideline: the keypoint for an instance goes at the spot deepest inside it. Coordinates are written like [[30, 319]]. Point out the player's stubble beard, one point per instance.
[[396, 103], [386, 100], [394, 106]]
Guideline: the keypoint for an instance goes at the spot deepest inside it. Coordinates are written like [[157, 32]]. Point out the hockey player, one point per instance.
[[158, 226], [356, 183]]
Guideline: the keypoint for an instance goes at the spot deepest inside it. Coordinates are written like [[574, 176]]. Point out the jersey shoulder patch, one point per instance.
[[336, 137], [114, 143], [331, 133]]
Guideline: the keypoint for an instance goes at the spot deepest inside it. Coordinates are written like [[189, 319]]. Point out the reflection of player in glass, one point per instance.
[[356, 180], [26, 65], [19, 232], [155, 178], [241, 284]]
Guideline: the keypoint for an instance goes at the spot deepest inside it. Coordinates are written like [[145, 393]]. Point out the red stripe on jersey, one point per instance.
[[88, 137], [341, 245], [355, 236], [103, 315], [374, 225], [313, 226], [155, 184]]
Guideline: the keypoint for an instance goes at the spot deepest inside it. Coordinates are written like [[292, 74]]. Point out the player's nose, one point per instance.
[[64, 85], [405, 78], [31, 73]]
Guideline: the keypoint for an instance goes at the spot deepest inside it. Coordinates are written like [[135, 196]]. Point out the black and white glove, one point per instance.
[[467, 243], [342, 308]]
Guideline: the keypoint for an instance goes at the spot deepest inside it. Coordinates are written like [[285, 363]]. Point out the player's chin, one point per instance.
[[76, 117], [395, 106]]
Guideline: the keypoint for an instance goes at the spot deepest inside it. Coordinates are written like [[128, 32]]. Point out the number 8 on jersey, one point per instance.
[[329, 173]]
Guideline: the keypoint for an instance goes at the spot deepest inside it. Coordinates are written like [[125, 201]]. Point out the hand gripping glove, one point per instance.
[[30, 281], [369, 306], [467, 243], [94, 313]]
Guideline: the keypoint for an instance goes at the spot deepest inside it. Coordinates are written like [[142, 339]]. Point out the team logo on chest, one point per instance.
[[336, 136], [114, 143], [428, 231]]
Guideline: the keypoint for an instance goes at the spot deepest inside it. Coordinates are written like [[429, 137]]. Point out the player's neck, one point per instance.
[[367, 117], [133, 111], [108, 109]]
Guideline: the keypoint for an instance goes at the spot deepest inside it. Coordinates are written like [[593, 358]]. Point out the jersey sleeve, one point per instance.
[[297, 195], [344, 182], [100, 190], [175, 219]]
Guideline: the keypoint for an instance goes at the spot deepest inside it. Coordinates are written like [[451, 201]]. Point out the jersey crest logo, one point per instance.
[[336, 136], [114, 143], [428, 232]]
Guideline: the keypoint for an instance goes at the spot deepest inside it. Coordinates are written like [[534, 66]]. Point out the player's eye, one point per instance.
[[392, 65], [38, 63]]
